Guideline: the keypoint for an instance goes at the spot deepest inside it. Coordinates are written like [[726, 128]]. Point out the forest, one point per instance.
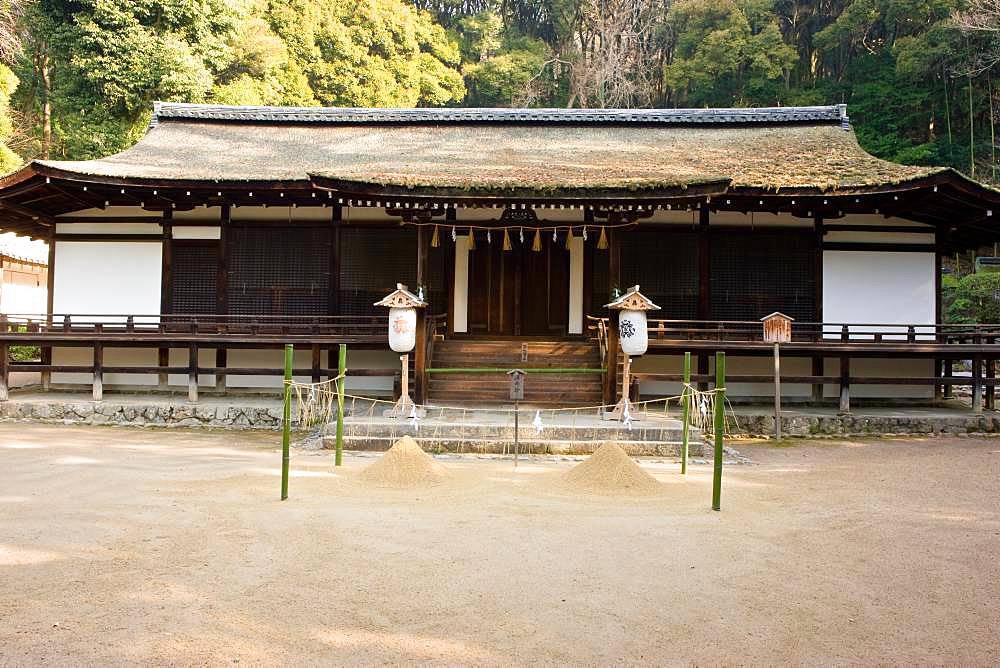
[[78, 77]]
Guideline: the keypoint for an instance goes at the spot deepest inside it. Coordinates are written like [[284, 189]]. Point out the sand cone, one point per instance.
[[611, 471], [405, 464]]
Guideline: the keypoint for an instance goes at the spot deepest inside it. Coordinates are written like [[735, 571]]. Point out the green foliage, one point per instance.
[[9, 160], [976, 299], [381, 53]]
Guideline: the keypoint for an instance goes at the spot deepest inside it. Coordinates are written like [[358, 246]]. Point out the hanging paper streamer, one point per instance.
[[506, 240], [555, 235], [537, 422], [584, 232], [454, 235], [627, 416], [536, 245], [521, 235], [472, 240], [602, 241], [435, 238], [489, 237], [414, 418]]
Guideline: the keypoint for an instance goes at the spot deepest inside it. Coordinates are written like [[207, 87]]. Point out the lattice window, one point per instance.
[[757, 273], [194, 277], [279, 270], [373, 260], [665, 264]]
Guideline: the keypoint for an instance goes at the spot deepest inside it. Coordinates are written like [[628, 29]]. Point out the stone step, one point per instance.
[[526, 445]]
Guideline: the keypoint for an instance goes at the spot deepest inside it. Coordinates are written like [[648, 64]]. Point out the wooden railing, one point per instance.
[[944, 343]]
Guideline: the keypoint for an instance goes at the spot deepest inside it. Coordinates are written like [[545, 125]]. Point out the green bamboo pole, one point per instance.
[[720, 427], [286, 422], [341, 370], [685, 412]]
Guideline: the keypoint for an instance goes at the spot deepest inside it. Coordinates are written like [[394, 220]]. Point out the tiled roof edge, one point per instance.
[[350, 115]]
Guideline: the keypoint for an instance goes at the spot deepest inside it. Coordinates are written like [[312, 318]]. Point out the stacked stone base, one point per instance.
[[142, 415], [804, 426]]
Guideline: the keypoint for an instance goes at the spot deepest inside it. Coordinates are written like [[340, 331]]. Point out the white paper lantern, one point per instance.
[[402, 329], [632, 332]]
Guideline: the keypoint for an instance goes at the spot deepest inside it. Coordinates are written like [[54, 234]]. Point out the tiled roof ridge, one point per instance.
[[836, 113]]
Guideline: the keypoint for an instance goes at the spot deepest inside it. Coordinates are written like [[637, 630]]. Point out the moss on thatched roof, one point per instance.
[[508, 155]]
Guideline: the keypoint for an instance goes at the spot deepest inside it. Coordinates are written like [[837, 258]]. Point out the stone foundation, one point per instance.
[[806, 426], [142, 415]]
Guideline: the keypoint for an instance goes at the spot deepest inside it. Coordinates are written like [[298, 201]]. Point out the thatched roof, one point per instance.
[[502, 150]]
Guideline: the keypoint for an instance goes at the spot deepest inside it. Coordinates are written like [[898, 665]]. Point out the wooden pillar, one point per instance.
[[336, 218], [49, 300], [614, 281], [845, 384], [193, 372], [4, 371], [817, 360], [420, 359], [222, 275], [221, 360], [977, 384], [940, 391], [704, 283], [162, 361], [316, 362], [989, 387], [845, 375], [166, 268], [98, 387], [949, 372]]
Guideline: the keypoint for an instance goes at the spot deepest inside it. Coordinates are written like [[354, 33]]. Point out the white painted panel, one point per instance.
[[576, 285], [109, 228], [461, 315], [197, 232], [111, 277], [878, 287]]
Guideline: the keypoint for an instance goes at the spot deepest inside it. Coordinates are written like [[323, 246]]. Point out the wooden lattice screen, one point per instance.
[[194, 277], [665, 265], [279, 270], [757, 273]]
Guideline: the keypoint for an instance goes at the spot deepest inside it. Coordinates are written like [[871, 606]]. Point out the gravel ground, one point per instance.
[[126, 546]]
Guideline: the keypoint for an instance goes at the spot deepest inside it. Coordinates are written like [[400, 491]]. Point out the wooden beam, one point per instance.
[[222, 272], [166, 270], [40, 218]]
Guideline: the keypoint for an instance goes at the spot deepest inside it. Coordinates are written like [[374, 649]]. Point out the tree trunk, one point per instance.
[[46, 105]]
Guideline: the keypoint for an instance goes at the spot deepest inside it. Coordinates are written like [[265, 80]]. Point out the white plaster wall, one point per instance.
[[111, 277], [576, 285], [652, 363], [112, 357], [461, 314], [109, 228], [17, 298], [869, 287]]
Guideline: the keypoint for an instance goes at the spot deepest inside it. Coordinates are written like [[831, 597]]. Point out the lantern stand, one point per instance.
[[633, 336], [777, 330], [403, 305]]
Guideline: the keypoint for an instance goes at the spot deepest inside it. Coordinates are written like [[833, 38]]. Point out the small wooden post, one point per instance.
[[193, 373], [778, 330], [720, 428], [316, 362], [845, 385], [777, 392], [4, 371], [286, 421], [685, 413], [341, 372], [162, 360], [977, 384], [989, 388], [220, 376], [98, 387]]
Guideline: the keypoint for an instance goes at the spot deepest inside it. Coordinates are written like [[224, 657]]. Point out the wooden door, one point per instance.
[[545, 289], [491, 289], [518, 292]]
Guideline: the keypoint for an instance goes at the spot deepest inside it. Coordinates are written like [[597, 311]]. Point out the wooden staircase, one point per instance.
[[548, 389]]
